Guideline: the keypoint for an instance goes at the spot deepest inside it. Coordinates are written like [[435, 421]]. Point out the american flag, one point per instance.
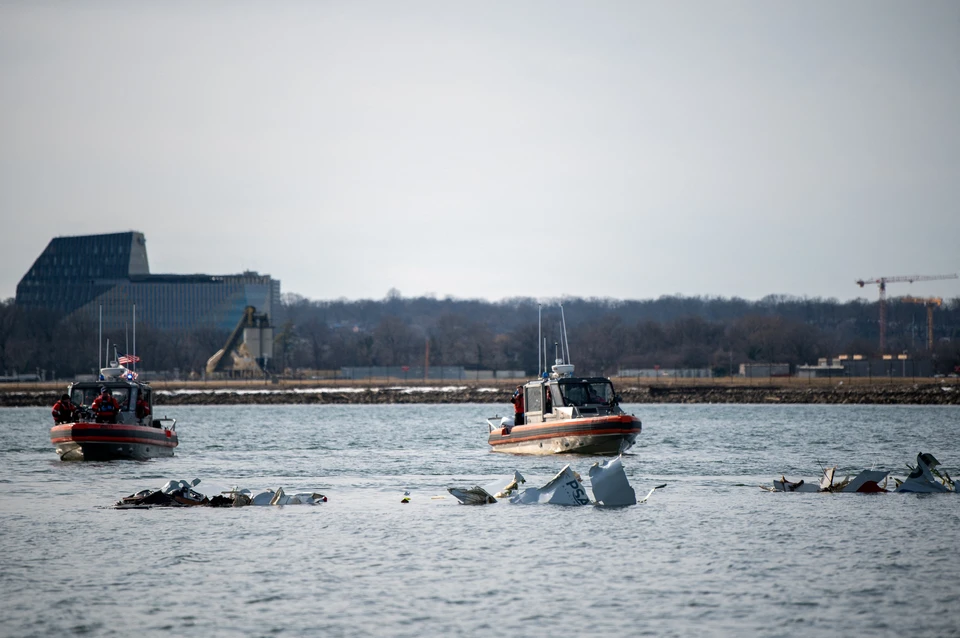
[[127, 358]]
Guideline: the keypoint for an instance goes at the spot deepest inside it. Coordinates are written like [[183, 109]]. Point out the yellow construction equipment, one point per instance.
[[929, 302]]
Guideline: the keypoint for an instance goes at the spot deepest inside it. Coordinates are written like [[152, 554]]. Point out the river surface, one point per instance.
[[710, 554]]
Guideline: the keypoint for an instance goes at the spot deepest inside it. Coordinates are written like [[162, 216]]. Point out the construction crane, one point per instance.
[[882, 282], [929, 302]]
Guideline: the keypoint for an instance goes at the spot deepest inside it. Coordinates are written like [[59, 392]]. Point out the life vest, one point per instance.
[[62, 411], [517, 402], [105, 406]]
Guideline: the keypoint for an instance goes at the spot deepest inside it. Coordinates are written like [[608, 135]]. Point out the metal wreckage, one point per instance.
[[924, 478], [608, 481], [182, 494]]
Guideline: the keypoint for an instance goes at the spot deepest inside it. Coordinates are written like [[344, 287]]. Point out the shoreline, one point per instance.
[[169, 394]]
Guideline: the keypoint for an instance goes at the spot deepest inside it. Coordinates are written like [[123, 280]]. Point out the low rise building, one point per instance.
[[84, 275]]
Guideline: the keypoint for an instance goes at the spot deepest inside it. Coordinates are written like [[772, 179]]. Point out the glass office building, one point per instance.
[[81, 275]]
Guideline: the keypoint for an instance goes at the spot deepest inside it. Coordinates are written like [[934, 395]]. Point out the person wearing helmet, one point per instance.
[[64, 411], [105, 407]]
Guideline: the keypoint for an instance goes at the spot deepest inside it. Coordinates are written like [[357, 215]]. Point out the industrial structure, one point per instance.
[[85, 275], [248, 349], [882, 283]]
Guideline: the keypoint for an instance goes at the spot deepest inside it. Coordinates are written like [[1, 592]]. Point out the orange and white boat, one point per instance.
[[564, 414], [129, 437]]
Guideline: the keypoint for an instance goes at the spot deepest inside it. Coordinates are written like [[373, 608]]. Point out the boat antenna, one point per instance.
[[539, 330], [100, 343], [545, 366], [563, 329], [134, 353]]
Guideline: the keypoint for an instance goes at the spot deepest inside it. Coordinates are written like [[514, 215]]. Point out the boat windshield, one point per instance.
[[580, 392], [85, 396]]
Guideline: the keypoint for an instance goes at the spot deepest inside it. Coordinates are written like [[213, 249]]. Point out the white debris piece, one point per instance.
[[263, 498], [783, 485], [867, 481], [175, 486], [563, 489], [922, 481], [610, 485]]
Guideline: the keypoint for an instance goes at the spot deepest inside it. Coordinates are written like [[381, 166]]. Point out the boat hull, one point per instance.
[[108, 441], [610, 435]]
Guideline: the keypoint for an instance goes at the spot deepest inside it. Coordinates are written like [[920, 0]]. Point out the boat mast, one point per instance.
[[539, 352], [563, 327]]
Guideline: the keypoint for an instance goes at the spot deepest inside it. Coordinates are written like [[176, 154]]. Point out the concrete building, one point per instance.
[[754, 370], [82, 274]]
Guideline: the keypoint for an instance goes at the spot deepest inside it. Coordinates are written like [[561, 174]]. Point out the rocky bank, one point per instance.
[[920, 394]]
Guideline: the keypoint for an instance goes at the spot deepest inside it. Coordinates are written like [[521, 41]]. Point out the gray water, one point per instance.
[[711, 554]]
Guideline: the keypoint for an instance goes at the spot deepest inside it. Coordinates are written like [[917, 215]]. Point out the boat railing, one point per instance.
[[166, 422]]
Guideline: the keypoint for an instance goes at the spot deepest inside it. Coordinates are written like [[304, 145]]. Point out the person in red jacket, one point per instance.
[[143, 408], [517, 402], [64, 411], [105, 407]]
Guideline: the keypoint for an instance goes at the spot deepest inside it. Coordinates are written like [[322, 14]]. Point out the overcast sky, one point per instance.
[[493, 149]]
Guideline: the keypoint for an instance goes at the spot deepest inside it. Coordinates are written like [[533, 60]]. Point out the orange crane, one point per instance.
[[929, 302], [882, 282]]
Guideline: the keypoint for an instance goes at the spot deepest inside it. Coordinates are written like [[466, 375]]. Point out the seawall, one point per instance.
[[904, 394]]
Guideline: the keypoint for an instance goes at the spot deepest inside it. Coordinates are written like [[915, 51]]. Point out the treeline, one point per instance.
[[604, 335]]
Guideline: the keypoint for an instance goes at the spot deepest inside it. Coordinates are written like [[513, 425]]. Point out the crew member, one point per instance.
[[143, 408], [64, 411], [105, 407], [517, 402]]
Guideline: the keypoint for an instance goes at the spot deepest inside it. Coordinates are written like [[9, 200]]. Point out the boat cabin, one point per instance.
[[563, 396], [124, 389]]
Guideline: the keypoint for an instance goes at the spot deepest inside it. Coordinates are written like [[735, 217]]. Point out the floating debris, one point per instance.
[[609, 481], [473, 496], [182, 494], [922, 479], [563, 489], [610, 485]]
